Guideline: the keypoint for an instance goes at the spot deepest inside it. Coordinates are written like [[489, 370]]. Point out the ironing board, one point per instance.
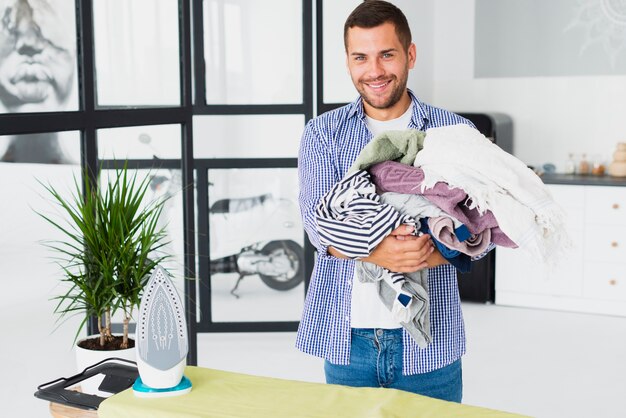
[[218, 393]]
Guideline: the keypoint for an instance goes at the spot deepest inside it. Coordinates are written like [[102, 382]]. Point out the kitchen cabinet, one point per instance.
[[591, 277]]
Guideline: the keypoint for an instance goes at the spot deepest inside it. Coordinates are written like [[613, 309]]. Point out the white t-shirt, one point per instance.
[[367, 310]]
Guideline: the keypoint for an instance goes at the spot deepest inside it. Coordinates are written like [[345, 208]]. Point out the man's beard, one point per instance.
[[394, 97]]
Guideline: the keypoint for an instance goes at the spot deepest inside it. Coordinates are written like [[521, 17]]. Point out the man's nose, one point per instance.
[[29, 40], [375, 69]]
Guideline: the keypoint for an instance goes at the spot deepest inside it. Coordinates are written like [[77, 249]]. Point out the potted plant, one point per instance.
[[111, 242]]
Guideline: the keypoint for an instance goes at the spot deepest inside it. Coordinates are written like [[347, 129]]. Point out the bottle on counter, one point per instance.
[[570, 164], [584, 167], [598, 168]]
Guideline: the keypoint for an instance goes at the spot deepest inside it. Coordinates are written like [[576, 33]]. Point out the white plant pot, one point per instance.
[[86, 358]]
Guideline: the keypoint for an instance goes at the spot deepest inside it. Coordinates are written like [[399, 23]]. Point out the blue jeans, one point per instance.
[[376, 361]]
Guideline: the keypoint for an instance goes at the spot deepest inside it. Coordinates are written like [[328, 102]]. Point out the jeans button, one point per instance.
[[379, 332]]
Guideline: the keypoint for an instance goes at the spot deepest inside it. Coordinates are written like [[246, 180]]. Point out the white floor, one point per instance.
[[534, 362]]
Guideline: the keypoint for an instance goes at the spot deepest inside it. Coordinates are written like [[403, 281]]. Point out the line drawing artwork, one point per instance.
[[604, 24]]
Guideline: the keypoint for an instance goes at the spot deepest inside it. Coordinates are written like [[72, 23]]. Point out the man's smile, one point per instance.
[[377, 85]]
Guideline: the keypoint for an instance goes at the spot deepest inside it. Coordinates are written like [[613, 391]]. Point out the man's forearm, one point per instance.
[[436, 259], [335, 253]]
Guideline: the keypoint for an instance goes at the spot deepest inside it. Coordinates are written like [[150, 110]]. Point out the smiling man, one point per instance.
[[379, 63], [344, 321]]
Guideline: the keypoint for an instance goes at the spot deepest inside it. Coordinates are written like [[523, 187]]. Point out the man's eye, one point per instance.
[[388, 55], [359, 58]]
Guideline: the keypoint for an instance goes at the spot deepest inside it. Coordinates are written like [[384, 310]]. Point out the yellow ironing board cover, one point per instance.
[[218, 393]]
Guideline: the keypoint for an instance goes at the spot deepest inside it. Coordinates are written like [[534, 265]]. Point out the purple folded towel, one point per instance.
[[391, 176]]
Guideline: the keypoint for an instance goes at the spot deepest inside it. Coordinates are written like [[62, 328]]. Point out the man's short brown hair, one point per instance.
[[373, 13]]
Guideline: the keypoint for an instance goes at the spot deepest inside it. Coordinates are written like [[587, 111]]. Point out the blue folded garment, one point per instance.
[[462, 262]]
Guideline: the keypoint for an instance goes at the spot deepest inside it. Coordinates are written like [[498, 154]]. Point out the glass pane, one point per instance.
[[249, 136], [140, 142], [253, 51], [30, 276], [38, 56], [255, 229], [136, 52], [338, 87], [165, 184], [41, 148]]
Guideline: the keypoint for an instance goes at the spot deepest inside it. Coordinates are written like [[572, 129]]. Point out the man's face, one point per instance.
[[379, 65], [36, 54]]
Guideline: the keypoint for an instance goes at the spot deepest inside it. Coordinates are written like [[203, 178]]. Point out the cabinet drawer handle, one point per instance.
[[615, 206], [612, 282], [614, 244]]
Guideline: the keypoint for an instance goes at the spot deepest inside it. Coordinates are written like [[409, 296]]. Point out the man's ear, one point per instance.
[[412, 55]]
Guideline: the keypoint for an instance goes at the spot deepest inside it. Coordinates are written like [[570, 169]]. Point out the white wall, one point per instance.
[[552, 116], [420, 15]]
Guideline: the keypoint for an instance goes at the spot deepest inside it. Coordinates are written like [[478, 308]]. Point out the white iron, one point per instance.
[[161, 340]]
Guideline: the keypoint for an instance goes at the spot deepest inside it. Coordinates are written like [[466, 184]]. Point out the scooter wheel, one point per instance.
[[295, 275]]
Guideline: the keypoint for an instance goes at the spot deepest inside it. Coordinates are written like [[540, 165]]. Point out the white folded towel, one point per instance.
[[495, 180]]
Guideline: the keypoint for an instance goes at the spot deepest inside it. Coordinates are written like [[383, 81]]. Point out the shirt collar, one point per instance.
[[419, 119], [356, 109]]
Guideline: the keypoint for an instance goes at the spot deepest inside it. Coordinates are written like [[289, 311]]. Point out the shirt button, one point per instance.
[[379, 332]]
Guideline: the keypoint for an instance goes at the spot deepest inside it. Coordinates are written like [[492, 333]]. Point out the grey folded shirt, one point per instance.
[[416, 285]]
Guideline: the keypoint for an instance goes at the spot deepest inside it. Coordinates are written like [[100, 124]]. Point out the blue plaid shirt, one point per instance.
[[330, 143]]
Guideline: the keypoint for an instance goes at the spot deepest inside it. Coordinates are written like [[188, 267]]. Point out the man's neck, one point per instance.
[[390, 113]]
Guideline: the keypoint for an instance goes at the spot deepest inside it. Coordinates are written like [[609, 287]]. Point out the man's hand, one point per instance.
[[403, 252]]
